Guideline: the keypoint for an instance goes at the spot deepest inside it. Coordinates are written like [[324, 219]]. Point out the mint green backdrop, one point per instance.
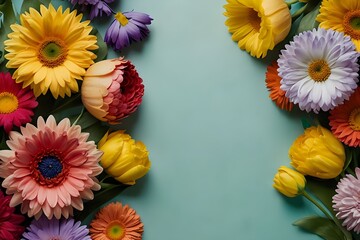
[[215, 138]]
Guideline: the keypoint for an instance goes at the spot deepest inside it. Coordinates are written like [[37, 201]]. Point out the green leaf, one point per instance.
[[99, 199], [34, 4], [311, 5], [306, 123], [9, 18], [308, 22], [322, 227], [349, 153], [102, 51]]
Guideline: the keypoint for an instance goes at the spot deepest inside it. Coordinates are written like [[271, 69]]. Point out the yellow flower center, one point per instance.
[[351, 24], [354, 119], [121, 19], [254, 19], [319, 70], [8, 103], [115, 231], [52, 52]]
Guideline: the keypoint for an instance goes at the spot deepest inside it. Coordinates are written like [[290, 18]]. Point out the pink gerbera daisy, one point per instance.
[[50, 168], [10, 222], [16, 103]]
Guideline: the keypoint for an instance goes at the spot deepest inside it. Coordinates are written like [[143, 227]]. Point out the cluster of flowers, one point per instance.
[[318, 72], [51, 169]]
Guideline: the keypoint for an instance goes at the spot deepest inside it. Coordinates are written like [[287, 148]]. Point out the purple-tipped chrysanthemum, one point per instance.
[[97, 7], [319, 69], [44, 229], [347, 201], [126, 28]]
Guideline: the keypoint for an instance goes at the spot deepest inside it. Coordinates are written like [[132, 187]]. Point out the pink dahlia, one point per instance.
[[10, 228], [16, 103], [347, 201], [112, 89], [50, 168]]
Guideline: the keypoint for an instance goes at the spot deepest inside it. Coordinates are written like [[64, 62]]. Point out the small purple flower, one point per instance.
[[98, 7], [319, 69], [126, 28], [43, 229]]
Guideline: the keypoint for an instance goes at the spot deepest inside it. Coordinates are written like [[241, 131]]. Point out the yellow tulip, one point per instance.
[[124, 158], [258, 25], [289, 182], [318, 153]]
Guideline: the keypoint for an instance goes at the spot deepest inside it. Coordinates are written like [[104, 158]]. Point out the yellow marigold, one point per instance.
[[342, 16], [318, 153], [50, 50], [289, 182], [259, 25], [124, 159]]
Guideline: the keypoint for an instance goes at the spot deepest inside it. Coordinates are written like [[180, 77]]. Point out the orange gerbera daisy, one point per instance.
[[345, 120], [273, 85], [116, 222]]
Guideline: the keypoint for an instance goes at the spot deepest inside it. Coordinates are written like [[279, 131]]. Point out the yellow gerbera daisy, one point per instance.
[[257, 25], [50, 50], [342, 16]]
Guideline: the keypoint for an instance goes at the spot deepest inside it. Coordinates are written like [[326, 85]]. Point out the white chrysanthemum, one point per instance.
[[319, 69]]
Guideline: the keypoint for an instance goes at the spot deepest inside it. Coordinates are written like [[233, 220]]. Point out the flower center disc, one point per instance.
[[351, 24], [8, 103], [50, 167], [354, 119], [319, 70], [52, 53], [121, 19], [254, 19], [115, 231]]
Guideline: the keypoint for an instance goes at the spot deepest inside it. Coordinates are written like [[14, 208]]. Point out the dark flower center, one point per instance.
[[254, 19], [50, 167], [351, 24], [354, 119], [52, 52], [319, 70], [115, 230], [8, 103]]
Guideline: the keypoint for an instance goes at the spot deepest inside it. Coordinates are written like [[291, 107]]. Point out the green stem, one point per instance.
[[317, 204], [298, 13], [80, 115], [330, 217]]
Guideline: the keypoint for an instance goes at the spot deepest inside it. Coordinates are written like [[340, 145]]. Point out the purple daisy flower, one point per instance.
[[347, 200], [319, 69], [98, 7], [44, 229], [126, 28]]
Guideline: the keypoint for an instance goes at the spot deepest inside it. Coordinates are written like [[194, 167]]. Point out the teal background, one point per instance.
[[215, 138]]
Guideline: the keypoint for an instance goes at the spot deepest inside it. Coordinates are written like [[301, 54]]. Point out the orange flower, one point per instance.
[[116, 222], [345, 120], [273, 85]]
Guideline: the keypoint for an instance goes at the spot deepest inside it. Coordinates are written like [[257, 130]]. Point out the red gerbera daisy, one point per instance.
[[273, 85], [10, 227], [16, 103], [345, 120]]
